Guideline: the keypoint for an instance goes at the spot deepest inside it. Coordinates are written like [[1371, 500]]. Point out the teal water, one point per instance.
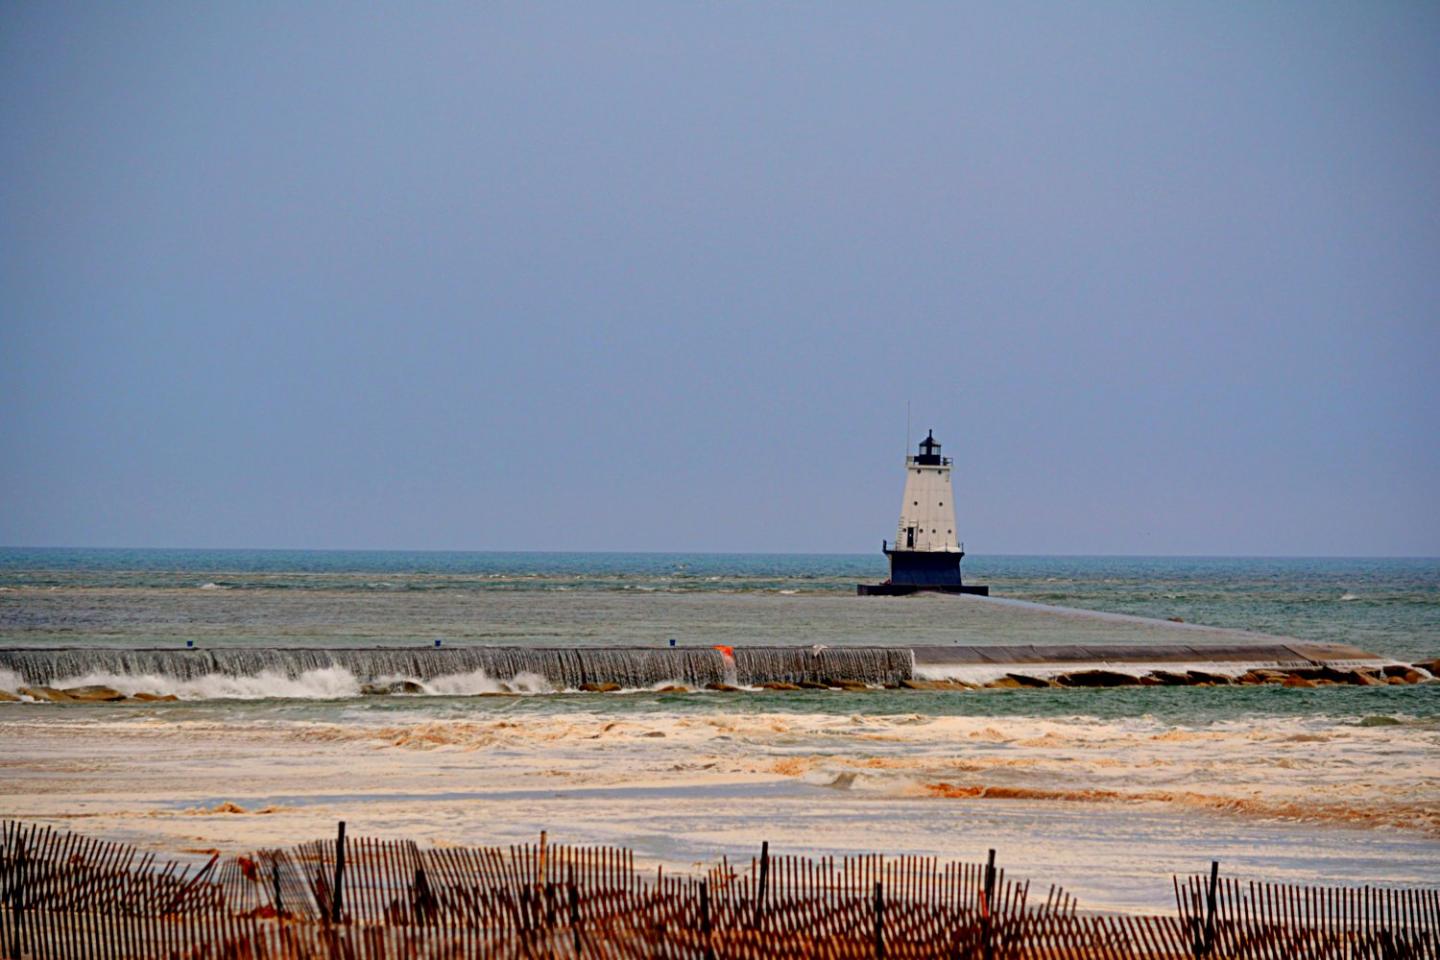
[[1125, 783], [1410, 708], [1389, 605], [61, 597]]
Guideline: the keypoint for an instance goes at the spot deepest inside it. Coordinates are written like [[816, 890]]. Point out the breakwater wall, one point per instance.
[[562, 668], [95, 673]]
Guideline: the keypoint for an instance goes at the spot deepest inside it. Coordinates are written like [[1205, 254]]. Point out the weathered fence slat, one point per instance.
[[64, 896]]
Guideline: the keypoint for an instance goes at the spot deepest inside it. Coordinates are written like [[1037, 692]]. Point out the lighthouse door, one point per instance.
[[910, 537]]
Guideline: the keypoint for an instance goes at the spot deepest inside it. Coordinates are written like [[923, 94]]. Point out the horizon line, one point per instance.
[[735, 553]]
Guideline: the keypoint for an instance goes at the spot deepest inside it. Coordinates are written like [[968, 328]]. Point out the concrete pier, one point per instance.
[[586, 668], [1287, 655]]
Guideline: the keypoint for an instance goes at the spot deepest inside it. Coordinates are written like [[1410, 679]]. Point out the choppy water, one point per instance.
[[1290, 783], [1390, 605], [227, 599]]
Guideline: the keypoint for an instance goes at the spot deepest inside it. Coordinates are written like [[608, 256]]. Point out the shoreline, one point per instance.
[[1110, 789], [1116, 800]]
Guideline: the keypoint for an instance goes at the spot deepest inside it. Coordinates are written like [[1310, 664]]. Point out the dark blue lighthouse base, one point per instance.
[[914, 571], [905, 589]]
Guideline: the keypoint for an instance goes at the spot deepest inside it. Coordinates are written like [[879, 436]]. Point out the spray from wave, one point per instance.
[[335, 672], [327, 683]]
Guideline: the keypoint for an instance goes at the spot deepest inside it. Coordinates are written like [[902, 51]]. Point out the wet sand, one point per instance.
[[1109, 809]]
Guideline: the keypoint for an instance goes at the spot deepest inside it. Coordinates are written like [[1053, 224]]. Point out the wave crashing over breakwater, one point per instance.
[[339, 672]]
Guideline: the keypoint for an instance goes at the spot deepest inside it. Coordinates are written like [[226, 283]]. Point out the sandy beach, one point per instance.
[[1108, 792], [1109, 809]]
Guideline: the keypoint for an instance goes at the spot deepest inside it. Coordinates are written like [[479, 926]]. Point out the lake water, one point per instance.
[[1107, 791]]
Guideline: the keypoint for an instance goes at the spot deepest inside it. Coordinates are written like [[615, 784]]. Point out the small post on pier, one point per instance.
[[879, 921], [17, 898], [337, 896], [764, 881]]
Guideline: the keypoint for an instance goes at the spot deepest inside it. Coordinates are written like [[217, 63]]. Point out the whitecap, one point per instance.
[[478, 682], [330, 683]]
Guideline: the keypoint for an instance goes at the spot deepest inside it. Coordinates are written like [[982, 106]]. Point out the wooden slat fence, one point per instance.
[[1277, 920], [63, 896]]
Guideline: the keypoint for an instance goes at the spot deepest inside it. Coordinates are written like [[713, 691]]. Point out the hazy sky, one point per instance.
[[1164, 278]]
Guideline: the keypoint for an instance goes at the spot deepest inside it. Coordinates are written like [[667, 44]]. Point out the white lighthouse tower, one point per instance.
[[927, 552]]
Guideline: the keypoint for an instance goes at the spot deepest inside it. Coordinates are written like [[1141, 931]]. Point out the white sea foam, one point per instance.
[[478, 682], [330, 683]]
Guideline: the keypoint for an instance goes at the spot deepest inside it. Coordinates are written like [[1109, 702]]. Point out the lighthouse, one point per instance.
[[927, 552]]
